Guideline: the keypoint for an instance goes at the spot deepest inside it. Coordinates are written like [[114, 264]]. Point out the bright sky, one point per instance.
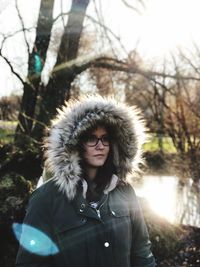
[[162, 27]]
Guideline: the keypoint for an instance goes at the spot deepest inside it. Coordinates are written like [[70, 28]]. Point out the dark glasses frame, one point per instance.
[[96, 139]]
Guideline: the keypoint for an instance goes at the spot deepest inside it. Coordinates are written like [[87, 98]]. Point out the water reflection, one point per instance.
[[34, 240], [175, 201], [188, 206]]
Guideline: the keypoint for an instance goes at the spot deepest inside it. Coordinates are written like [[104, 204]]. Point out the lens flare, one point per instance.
[[34, 240]]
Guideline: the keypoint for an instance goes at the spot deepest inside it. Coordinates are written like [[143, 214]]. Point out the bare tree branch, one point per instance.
[[23, 26], [5, 37], [135, 9], [107, 30], [80, 64], [189, 62], [11, 67], [62, 14]]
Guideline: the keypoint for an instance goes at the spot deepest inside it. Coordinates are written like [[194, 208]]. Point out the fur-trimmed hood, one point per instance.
[[77, 116]]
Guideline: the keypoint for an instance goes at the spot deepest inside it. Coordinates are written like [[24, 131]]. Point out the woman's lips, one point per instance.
[[99, 156]]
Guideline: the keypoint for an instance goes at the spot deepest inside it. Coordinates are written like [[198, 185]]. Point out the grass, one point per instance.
[[6, 136], [7, 129], [153, 145]]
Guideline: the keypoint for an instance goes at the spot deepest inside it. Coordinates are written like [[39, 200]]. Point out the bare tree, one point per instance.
[[36, 56], [57, 90]]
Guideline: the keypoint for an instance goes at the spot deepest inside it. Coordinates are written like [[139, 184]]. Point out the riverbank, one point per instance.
[[187, 253], [188, 250], [173, 245]]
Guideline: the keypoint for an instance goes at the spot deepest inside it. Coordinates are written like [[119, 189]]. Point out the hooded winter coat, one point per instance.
[[61, 229]]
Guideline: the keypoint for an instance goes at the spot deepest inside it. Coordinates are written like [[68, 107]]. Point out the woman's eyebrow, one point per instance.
[[100, 136]]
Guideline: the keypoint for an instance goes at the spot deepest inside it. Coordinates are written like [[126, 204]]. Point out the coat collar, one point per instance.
[[113, 183]]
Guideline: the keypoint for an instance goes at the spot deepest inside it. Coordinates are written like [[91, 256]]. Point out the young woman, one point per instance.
[[87, 214]]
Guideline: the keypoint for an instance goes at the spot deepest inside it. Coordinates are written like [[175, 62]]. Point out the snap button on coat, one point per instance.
[[106, 244], [82, 206]]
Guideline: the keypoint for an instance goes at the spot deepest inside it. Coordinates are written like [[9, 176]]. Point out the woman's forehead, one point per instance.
[[100, 130]]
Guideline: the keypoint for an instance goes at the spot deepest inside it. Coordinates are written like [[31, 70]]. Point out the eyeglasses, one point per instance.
[[92, 140]]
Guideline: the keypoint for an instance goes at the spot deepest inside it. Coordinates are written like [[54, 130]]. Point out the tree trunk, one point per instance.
[[27, 108], [57, 91], [52, 97], [29, 98]]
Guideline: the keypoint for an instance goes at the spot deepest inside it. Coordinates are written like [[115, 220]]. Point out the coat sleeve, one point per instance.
[[141, 255], [36, 234]]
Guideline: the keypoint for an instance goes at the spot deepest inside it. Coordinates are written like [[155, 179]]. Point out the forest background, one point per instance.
[[68, 53]]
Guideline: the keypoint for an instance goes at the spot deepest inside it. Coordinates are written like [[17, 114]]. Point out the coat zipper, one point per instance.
[[98, 210], [98, 213]]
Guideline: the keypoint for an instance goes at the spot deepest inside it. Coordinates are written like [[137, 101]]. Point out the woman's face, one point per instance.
[[96, 147]]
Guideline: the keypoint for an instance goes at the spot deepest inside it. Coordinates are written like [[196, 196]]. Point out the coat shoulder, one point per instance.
[[124, 194], [46, 188], [126, 190], [44, 194]]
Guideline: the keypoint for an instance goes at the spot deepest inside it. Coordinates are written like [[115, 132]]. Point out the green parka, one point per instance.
[[61, 229]]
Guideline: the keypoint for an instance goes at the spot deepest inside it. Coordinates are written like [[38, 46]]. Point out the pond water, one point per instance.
[[178, 203]]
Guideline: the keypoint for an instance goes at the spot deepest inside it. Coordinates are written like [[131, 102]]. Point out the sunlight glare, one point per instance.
[[161, 195], [160, 28], [169, 24]]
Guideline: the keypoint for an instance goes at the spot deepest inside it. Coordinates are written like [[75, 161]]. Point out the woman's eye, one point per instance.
[[91, 138], [105, 139]]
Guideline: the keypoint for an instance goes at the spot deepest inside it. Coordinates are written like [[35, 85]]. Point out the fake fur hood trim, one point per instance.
[[76, 117]]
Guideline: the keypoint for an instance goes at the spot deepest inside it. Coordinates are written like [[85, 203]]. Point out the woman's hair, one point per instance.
[[106, 171]]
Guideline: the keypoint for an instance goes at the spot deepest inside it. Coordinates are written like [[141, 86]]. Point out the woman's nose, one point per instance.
[[99, 145]]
